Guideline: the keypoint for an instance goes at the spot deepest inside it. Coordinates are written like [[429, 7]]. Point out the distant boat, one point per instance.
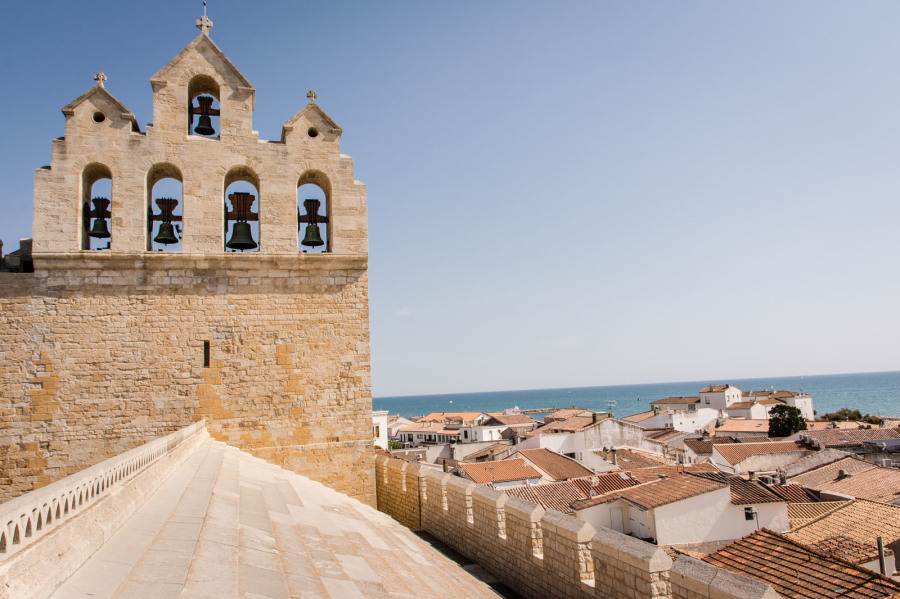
[[451, 401]]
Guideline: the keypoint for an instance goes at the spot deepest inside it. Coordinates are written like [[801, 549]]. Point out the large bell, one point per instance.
[[204, 123], [241, 237], [166, 235], [312, 238], [100, 230], [204, 126]]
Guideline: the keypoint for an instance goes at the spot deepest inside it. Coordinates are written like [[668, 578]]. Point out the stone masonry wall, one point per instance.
[[544, 553], [100, 354]]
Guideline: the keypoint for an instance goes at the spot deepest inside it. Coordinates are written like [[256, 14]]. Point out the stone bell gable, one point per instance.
[[241, 297], [202, 66]]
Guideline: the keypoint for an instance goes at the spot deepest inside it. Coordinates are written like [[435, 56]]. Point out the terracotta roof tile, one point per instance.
[[667, 490], [839, 438], [739, 452], [676, 401], [714, 388], [650, 474], [876, 484], [560, 496], [567, 413], [795, 571], [848, 549], [744, 425], [639, 417], [499, 471], [804, 513], [514, 419], [628, 459], [569, 425], [557, 466], [743, 492], [456, 417], [792, 493], [817, 477], [433, 428], [860, 520]]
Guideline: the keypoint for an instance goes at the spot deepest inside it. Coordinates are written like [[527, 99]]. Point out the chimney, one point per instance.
[[613, 453], [596, 417], [881, 565], [445, 465], [842, 474]]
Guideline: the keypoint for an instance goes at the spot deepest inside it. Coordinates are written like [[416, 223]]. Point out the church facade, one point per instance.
[[181, 273]]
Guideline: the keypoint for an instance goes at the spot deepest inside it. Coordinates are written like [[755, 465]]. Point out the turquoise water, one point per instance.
[[873, 393]]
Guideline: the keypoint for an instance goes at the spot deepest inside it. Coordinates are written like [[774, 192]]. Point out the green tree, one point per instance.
[[785, 421], [394, 444], [851, 415]]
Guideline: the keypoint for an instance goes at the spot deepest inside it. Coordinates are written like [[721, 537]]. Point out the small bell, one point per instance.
[[312, 238], [204, 124], [100, 230], [166, 235], [241, 237]]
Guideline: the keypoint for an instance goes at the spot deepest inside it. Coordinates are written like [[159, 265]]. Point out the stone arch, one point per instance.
[[242, 180], [94, 174], [315, 185], [165, 183], [206, 91]]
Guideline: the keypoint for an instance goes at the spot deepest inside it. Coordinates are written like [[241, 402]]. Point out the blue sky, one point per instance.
[[582, 193]]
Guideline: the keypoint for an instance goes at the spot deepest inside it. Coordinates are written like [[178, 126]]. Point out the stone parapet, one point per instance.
[[545, 553], [57, 514]]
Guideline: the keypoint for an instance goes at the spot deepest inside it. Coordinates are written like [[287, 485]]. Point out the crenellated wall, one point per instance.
[[544, 553]]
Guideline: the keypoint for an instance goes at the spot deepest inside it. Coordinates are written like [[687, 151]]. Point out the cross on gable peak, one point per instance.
[[312, 96], [204, 24], [100, 78]]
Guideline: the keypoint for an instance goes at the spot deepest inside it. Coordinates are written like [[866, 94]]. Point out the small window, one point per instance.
[[206, 354]]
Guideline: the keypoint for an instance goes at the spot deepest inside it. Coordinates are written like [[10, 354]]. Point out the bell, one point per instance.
[[241, 237], [99, 230], [312, 237], [166, 234], [204, 124]]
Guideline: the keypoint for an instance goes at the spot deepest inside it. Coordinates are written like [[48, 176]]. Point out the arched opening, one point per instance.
[[96, 202], [313, 213], [164, 208], [242, 207], [204, 117]]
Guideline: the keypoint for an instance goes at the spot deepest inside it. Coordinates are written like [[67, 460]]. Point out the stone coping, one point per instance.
[[27, 518], [105, 260]]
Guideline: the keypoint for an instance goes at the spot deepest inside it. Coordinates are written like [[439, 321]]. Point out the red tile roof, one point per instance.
[[734, 454], [667, 490], [792, 493], [557, 467], [639, 417], [676, 401], [743, 492], [876, 484], [499, 471], [744, 425], [817, 477], [569, 425], [861, 520], [561, 495], [645, 475], [796, 571], [840, 438], [628, 459], [848, 549]]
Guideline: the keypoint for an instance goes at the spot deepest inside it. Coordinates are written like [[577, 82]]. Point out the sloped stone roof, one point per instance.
[[499, 471], [558, 467], [226, 524]]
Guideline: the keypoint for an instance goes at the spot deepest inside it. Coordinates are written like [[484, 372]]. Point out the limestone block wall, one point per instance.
[[99, 354], [542, 553]]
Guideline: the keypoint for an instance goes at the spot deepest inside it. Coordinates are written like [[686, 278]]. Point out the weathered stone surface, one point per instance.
[[101, 351]]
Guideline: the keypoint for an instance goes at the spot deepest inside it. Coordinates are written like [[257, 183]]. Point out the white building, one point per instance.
[[380, 428]]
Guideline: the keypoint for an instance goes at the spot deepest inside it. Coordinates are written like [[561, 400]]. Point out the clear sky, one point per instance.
[[560, 194]]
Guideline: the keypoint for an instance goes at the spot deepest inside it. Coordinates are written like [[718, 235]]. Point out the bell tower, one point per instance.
[[192, 271]]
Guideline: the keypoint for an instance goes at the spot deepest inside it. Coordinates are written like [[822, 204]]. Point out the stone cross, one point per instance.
[[312, 96], [204, 24], [100, 78]]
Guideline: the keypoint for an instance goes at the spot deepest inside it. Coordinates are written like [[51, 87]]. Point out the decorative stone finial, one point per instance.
[[204, 24], [100, 78], [312, 96]]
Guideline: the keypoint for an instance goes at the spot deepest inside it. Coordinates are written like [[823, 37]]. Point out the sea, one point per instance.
[[876, 393]]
